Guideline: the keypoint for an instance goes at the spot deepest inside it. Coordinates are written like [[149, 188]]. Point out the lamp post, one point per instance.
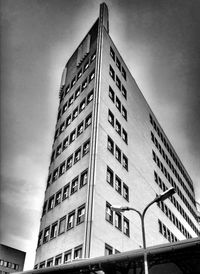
[[163, 196]]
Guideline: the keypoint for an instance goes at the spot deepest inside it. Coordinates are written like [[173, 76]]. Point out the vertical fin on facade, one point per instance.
[[63, 80], [83, 50], [104, 16]]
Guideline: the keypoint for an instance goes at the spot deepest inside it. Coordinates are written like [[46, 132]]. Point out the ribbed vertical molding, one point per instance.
[[103, 17]]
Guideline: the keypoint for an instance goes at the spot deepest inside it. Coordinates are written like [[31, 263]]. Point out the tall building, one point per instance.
[[11, 259], [109, 149]]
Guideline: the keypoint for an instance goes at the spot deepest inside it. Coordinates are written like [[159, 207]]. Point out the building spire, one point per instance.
[[104, 16]]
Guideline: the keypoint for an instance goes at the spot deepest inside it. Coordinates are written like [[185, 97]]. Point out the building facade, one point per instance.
[[11, 259], [108, 149]]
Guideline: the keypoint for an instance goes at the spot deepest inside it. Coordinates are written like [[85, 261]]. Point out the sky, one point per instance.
[[159, 41]]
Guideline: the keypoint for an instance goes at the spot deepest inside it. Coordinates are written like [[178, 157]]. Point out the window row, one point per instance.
[[71, 137], [74, 114], [166, 232], [174, 219], [116, 219], [162, 185], [109, 250], [67, 164], [167, 160], [80, 72], [118, 63], [117, 103], [63, 258], [169, 149], [67, 222], [75, 95], [117, 82], [171, 181], [9, 264], [115, 181], [116, 151], [64, 193], [116, 124]]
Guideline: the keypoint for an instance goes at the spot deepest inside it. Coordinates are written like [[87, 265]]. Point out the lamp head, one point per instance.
[[166, 194]]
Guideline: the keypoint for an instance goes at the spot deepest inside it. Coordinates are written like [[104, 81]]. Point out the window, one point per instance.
[[108, 250], [78, 252], [71, 99], [64, 107], [58, 259], [62, 225], [111, 118], [125, 162], [88, 120], [80, 129], [42, 265], [118, 104], [68, 120], [118, 154], [62, 169], [84, 84], [124, 73], [86, 66], [52, 156], [118, 220], [69, 162], [109, 213], [75, 113], [112, 53], [74, 186], [125, 192], [118, 64], [49, 180], [81, 214], [54, 230], [86, 147], [62, 127], [51, 203], [91, 77], [66, 191], [50, 262], [56, 134], [109, 176], [124, 113], [44, 210], [111, 94], [126, 229], [73, 82], [93, 56], [58, 150], [46, 235], [72, 136], [124, 92], [71, 217], [84, 178], [40, 239], [77, 92], [110, 145], [77, 155], [67, 256], [118, 127], [61, 95], [59, 114], [118, 82], [112, 73], [55, 174], [118, 184], [65, 143], [58, 198], [67, 90], [79, 74], [124, 136], [90, 97], [82, 105]]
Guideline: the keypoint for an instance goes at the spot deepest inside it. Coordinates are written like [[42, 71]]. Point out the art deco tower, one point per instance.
[[108, 149]]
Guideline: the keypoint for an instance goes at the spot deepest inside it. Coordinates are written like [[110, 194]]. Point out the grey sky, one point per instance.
[[158, 39]]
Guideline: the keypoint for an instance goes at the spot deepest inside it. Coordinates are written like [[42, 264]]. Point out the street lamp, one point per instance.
[[163, 196]]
